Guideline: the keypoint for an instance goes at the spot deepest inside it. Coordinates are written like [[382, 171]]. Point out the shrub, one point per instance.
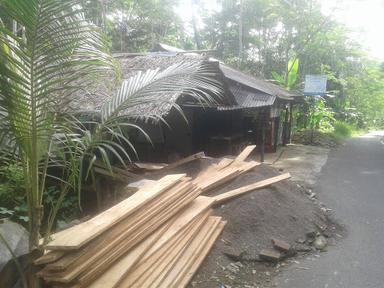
[[11, 185], [343, 129]]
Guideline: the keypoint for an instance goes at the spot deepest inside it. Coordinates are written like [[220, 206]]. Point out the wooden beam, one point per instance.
[[245, 153], [183, 161], [245, 189]]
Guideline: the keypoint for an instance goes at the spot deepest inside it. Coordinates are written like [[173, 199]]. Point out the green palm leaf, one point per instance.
[[39, 72]]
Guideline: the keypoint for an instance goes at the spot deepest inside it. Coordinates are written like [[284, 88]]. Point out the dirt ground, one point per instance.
[[284, 211]]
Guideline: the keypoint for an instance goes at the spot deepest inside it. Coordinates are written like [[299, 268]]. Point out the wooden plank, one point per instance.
[[77, 236], [184, 161], [216, 178], [248, 188], [96, 259], [225, 162], [214, 168], [187, 276], [110, 277], [150, 166], [188, 254], [147, 264], [219, 179], [155, 273], [119, 172], [156, 261], [100, 267], [245, 153], [196, 208], [50, 256], [120, 268], [119, 231]]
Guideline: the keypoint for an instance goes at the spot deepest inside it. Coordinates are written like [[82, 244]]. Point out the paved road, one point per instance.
[[351, 183]]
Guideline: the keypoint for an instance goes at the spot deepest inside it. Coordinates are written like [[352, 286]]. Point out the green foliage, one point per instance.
[[321, 117], [11, 185], [277, 32], [288, 80], [12, 194], [292, 72], [39, 71], [366, 97], [136, 26], [342, 128]]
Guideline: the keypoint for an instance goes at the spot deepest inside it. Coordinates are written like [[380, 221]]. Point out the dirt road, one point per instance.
[[352, 184]]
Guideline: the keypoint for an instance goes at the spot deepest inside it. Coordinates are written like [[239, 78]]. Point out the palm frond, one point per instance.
[[157, 88], [39, 72]]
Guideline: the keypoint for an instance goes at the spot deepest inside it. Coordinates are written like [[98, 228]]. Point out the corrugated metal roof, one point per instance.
[[247, 98], [255, 83]]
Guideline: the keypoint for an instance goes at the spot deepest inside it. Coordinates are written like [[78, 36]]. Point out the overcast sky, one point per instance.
[[365, 17]]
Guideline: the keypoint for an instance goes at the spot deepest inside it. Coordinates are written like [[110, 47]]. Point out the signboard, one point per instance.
[[315, 85]]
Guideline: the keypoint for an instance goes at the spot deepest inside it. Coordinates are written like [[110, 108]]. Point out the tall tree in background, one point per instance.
[[136, 26]]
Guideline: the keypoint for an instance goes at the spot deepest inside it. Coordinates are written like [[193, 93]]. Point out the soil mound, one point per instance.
[[283, 211]]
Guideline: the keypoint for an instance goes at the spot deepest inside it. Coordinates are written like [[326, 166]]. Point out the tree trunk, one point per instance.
[[122, 29], [241, 34], [194, 25]]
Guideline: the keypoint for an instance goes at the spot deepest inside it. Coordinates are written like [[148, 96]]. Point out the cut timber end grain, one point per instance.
[[77, 236]]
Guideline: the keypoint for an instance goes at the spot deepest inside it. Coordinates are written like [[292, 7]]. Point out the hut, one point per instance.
[[250, 111]]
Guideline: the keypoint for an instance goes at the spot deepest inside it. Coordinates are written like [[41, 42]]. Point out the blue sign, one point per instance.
[[315, 85]]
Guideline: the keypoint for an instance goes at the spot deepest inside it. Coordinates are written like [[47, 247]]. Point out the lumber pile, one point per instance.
[[155, 238], [226, 170], [158, 237], [134, 171]]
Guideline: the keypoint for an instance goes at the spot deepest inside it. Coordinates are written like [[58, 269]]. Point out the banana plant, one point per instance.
[[289, 77]]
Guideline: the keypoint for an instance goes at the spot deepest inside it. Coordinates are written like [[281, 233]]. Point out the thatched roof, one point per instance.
[[241, 90], [93, 98]]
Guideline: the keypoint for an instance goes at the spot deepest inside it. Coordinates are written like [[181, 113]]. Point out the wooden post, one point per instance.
[[290, 122], [262, 147], [285, 127], [276, 134]]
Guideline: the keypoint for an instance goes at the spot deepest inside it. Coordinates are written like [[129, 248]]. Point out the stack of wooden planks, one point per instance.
[[158, 237], [226, 170], [123, 243]]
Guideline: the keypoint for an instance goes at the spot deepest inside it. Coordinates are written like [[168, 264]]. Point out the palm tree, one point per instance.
[[40, 70]]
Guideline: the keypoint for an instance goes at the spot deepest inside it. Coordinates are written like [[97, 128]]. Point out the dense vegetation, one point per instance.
[[267, 38]]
